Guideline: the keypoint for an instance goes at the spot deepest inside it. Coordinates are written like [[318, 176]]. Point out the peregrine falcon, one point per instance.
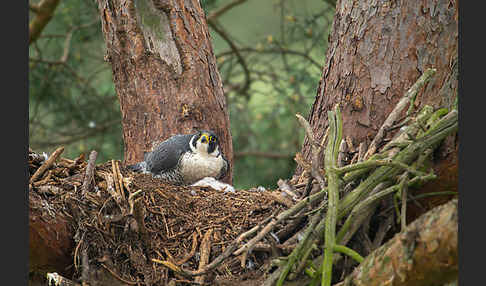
[[185, 159]]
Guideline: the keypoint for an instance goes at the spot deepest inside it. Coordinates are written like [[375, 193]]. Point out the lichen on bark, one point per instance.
[[155, 26]]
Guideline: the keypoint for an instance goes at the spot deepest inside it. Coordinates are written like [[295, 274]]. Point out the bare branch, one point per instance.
[[44, 11], [216, 14], [213, 24]]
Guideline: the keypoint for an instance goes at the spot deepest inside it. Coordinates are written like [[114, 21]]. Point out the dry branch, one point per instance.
[[205, 250], [88, 176], [47, 164]]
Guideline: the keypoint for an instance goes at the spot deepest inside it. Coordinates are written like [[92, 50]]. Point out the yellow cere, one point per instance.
[[208, 137]]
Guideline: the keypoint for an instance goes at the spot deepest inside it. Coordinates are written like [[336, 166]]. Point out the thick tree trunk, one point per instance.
[[377, 50], [164, 71]]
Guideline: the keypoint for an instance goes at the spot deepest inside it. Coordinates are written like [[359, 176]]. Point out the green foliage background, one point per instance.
[[74, 103]]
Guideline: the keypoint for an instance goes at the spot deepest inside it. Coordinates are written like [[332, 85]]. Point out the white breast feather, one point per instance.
[[196, 166]]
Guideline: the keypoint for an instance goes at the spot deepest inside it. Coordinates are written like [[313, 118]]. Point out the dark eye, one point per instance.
[[212, 139]]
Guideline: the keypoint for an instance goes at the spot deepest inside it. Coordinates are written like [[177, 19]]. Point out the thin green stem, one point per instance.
[[403, 186], [375, 163], [413, 91], [331, 156], [349, 252]]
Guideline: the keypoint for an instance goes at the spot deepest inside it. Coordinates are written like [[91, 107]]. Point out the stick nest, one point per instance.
[[122, 232]]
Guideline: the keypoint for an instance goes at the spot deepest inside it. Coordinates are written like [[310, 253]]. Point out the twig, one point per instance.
[[205, 250], [308, 187], [380, 234], [88, 176], [281, 199], [315, 149], [46, 165], [43, 182], [120, 180], [403, 190], [216, 14], [116, 181], [110, 189], [361, 151], [118, 277], [393, 116], [192, 252], [216, 27], [342, 154], [75, 256]]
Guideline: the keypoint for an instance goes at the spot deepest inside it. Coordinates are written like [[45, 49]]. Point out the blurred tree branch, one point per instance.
[[218, 29], [67, 45], [213, 16], [43, 14]]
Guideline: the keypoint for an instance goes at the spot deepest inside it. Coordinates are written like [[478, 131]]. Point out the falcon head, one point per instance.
[[206, 143]]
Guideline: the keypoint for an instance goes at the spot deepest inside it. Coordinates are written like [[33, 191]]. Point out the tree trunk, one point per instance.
[[165, 73], [377, 50]]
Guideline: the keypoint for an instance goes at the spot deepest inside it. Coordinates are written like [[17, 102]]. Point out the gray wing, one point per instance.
[[167, 154], [224, 170]]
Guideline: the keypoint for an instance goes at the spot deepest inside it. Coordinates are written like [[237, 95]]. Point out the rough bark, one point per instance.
[[377, 50], [164, 71], [425, 253]]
